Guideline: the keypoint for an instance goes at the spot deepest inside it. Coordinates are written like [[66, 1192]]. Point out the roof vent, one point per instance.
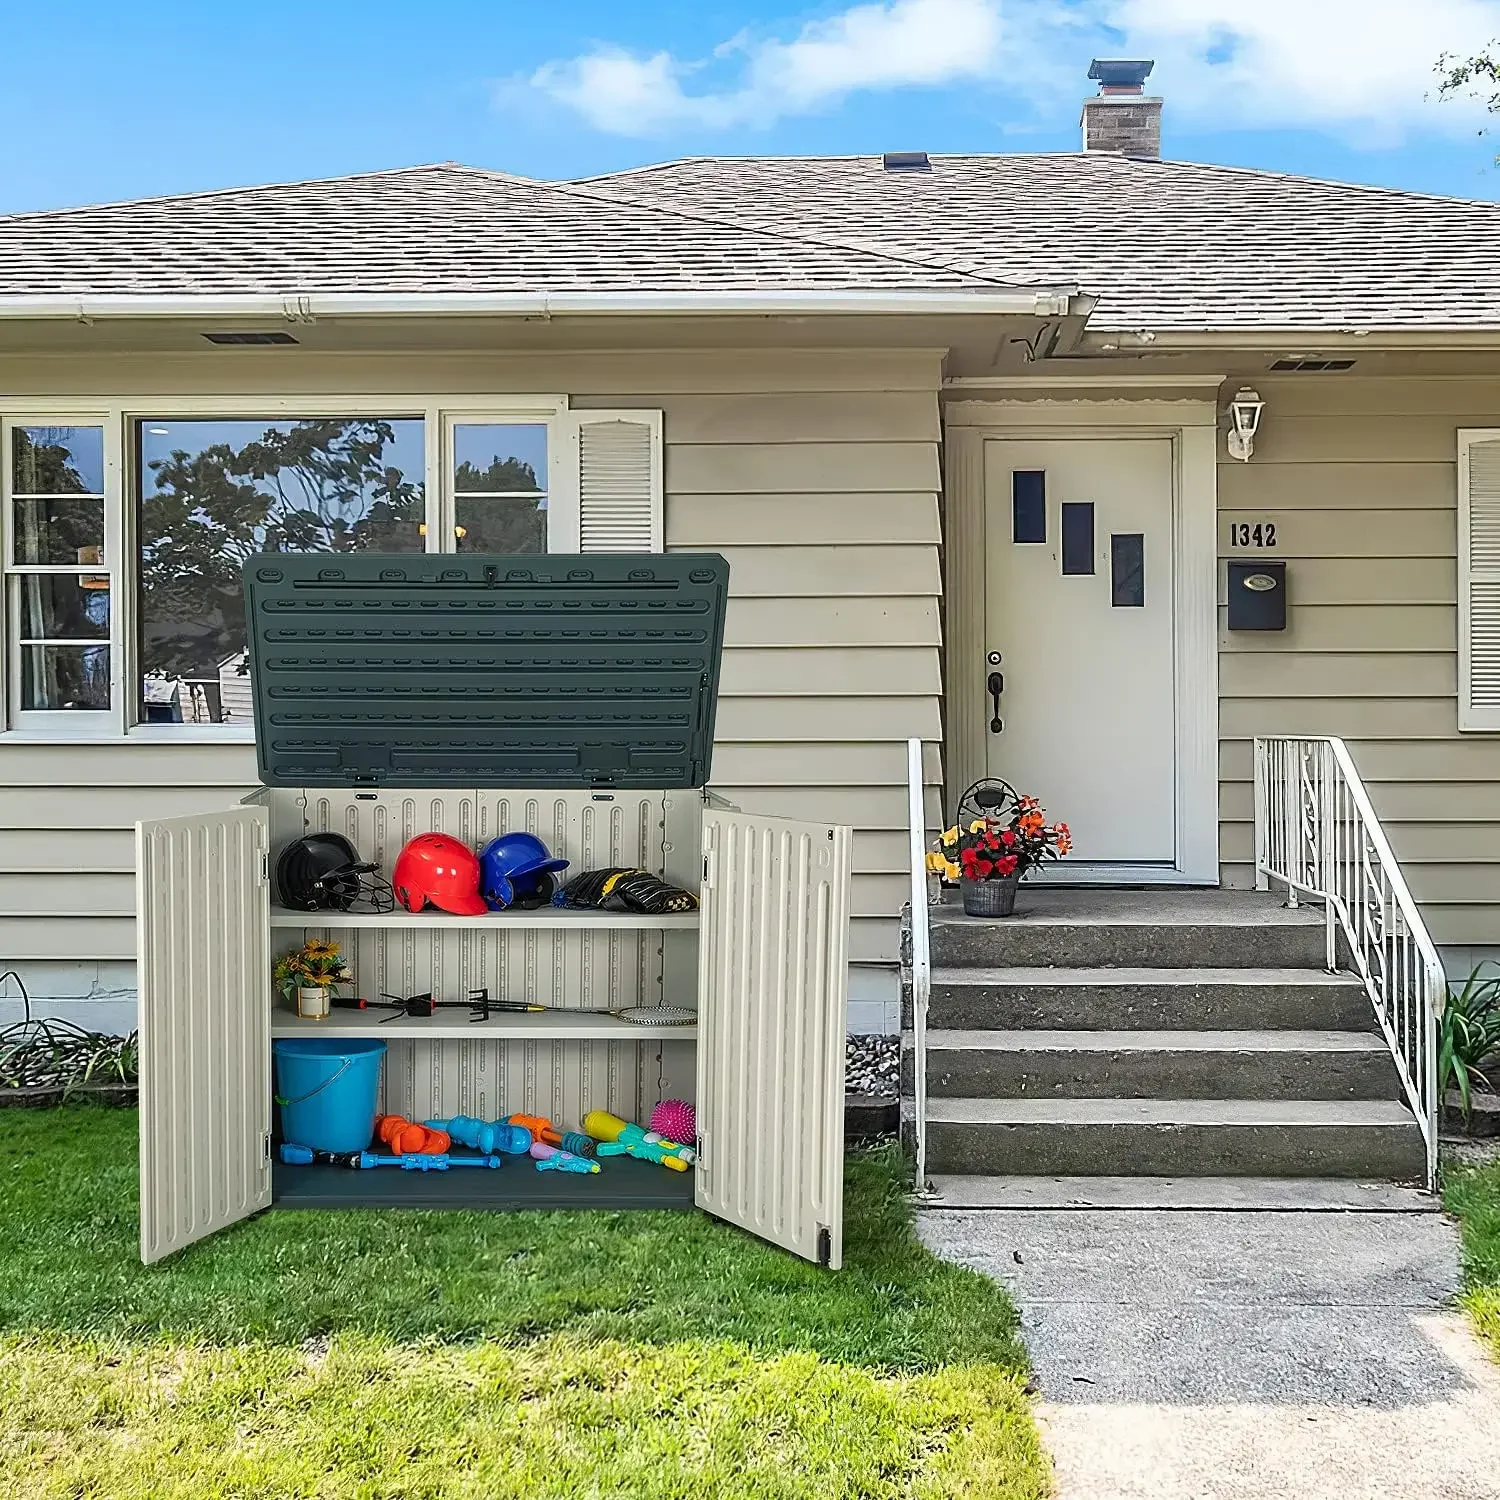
[[906, 161], [1312, 366], [250, 336]]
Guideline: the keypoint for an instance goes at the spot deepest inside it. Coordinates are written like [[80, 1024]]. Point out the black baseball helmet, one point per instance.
[[323, 872]]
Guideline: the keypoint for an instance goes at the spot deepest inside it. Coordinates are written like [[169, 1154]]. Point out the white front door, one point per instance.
[[1079, 607]]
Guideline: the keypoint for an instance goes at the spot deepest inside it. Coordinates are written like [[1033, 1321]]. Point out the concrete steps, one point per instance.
[[1331, 1065], [1181, 1194], [1147, 999], [1174, 1138], [1214, 930], [1155, 1035]]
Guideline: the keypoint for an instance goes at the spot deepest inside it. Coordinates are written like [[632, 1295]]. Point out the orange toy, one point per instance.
[[542, 1129], [406, 1138]]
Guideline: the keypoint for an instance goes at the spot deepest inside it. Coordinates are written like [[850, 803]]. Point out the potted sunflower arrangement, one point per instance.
[[306, 976], [987, 856]]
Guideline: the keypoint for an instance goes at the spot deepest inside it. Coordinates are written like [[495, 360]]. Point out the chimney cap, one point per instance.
[[1121, 75]]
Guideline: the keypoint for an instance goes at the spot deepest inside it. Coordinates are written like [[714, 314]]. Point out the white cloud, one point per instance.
[[880, 46], [1363, 68], [1358, 68]]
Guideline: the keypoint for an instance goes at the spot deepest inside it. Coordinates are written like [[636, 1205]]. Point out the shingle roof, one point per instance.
[[1165, 245], [437, 229]]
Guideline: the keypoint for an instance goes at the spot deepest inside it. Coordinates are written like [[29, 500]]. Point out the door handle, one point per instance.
[[996, 686]]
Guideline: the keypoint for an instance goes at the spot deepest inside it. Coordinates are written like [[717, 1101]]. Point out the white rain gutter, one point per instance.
[[295, 308]]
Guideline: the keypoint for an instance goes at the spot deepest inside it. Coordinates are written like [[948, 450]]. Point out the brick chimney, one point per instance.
[[1120, 117]]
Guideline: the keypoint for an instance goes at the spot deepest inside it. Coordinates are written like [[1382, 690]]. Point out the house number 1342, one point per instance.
[[1243, 534]]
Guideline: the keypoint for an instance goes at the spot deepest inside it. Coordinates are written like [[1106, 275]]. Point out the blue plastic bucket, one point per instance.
[[326, 1087]]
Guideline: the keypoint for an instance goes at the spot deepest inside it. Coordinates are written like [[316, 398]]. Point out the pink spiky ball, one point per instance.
[[677, 1120]]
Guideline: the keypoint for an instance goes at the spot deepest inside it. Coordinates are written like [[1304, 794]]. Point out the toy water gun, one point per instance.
[[485, 1135], [551, 1159], [406, 1138], [542, 1129], [620, 1138], [305, 1156]]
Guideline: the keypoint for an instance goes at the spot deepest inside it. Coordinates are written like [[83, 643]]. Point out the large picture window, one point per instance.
[[212, 492]]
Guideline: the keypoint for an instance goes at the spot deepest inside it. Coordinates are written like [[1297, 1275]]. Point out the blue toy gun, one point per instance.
[[553, 1159], [485, 1135], [305, 1156]]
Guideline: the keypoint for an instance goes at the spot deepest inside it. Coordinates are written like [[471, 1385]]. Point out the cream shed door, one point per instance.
[[773, 1012], [1079, 613], [204, 978]]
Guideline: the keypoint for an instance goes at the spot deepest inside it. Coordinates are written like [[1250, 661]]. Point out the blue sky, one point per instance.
[[115, 101]]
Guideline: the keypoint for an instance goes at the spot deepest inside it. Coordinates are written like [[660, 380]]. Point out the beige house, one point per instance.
[[958, 424]]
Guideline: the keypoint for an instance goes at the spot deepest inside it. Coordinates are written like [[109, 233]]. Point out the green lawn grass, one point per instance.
[[420, 1354], [1473, 1195]]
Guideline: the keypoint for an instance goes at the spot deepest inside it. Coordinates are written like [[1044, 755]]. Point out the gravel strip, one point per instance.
[[872, 1065]]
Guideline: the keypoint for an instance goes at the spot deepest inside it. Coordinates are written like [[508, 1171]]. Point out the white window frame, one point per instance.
[[118, 416], [61, 724], [561, 480]]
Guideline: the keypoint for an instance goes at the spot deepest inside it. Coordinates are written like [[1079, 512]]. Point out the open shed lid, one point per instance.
[[399, 669]]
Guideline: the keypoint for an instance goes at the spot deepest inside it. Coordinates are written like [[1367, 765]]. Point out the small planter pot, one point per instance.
[[990, 898], [312, 1003]]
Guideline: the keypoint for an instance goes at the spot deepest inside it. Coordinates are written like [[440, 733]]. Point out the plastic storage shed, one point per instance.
[[572, 696]]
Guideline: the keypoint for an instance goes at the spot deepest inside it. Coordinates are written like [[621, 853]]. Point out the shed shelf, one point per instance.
[[546, 1026], [557, 919]]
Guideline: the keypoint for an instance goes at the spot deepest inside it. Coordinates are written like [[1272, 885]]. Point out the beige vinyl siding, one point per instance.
[[1360, 477], [815, 473]]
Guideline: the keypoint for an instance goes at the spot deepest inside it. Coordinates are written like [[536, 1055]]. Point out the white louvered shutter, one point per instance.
[[619, 481], [1479, 579]]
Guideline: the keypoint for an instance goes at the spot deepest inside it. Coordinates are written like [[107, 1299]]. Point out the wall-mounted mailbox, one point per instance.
[[1257, 596]]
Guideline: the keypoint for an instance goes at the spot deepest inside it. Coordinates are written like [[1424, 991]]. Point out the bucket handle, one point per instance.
[[327, 1082]]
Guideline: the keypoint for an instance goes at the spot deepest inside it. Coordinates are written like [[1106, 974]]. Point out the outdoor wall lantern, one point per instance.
[[1244, 414]]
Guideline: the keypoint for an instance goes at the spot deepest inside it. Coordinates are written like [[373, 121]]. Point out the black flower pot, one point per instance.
[[990, 898]]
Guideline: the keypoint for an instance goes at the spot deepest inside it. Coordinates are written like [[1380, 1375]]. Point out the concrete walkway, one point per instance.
[[1244, 1356]]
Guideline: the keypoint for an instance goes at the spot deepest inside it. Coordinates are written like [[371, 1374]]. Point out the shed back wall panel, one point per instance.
[[816, 474]]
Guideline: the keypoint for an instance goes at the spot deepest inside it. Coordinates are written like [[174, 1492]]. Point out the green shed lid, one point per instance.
[[456, 670]]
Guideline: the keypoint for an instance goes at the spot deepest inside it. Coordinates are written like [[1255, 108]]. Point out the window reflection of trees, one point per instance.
[[316, 485]]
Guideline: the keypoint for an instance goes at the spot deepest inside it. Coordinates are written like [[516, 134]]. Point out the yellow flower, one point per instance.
[[320, 950], [936, 864], [949, 839], [977, 826], [952, 872]]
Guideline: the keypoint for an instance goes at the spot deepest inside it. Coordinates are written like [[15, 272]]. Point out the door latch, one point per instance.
[[996, 686]]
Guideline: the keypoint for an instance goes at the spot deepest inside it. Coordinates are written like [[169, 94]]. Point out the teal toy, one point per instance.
[[485, 1135]]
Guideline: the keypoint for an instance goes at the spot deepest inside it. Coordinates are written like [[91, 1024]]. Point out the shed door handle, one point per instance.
[[996, 687]]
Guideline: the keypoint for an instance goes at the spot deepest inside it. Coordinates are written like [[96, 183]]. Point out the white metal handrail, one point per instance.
[[921, 951], [1316, 833]]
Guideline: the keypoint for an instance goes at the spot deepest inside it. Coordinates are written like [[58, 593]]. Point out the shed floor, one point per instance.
[[621, 1182]]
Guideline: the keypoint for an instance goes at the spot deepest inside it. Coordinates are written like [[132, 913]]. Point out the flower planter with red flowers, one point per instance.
[[995, 853]]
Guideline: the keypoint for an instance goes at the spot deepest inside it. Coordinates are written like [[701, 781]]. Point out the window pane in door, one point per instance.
[[63, 677], [213, 492], [57, 461], [63, 607], [58, 532]]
